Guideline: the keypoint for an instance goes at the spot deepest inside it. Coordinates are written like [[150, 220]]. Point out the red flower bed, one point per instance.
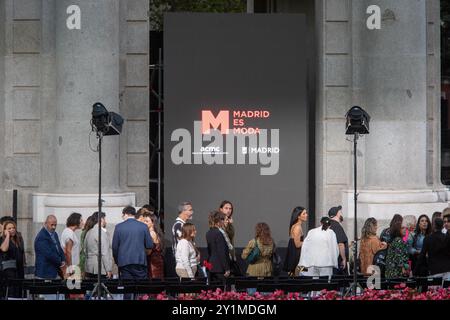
[[401, 292]]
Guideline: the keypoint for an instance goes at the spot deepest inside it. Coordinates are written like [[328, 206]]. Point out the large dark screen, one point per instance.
[[235, 119]]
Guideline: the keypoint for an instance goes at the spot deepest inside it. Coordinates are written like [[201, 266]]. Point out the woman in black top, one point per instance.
[[12, 256], [435, 254], [298, 217]]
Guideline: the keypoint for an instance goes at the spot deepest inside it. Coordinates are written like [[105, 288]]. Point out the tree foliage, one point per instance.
[[159, 7]]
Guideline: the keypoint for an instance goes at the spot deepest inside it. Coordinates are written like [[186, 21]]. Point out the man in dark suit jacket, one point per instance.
[[131, 242], [49, 255], [218, 252]]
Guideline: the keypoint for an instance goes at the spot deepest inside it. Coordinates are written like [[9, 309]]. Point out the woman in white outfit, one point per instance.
[[187, 255], [320, 251]]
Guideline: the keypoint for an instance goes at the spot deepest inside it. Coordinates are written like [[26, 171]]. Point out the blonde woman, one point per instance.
[[370, 244]]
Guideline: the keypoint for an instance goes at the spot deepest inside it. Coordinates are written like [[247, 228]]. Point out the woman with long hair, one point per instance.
[[218, 248], [397, 254], [226, 207], [370, 244], [88, 225], [262, 265], [434, 216], [299, 216], [187, 255], [155, 260], [423, 229], [91, 249], [385, 234], [320, 251], [434, 260], [13, 255]]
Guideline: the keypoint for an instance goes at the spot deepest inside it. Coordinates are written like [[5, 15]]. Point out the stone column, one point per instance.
[[86, 70], [390, 79], [390, 83]]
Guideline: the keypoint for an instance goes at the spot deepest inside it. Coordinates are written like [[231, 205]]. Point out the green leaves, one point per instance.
[[159, 7]]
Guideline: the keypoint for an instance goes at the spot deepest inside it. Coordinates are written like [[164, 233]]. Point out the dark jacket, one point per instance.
[[218, 253], [15, 253], [49, 255], [435, 253], [130, 240]]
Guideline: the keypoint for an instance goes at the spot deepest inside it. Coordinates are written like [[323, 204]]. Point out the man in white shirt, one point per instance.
[[320, 251], [185, 212]]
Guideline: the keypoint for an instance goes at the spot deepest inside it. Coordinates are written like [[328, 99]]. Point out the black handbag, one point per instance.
[[9, 264], [276, 262], [236, 269]]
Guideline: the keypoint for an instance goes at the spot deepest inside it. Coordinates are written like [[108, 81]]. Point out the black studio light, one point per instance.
[[357, 121], [105, 122]]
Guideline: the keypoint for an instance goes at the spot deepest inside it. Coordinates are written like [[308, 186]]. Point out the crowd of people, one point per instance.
[[408, 247]]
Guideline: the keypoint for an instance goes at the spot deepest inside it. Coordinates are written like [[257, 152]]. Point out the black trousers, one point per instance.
[[14, 291], [92, 276], [133, 272], [217, 276]]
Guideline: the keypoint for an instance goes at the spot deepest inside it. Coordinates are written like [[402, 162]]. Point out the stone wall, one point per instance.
[[50, 78]]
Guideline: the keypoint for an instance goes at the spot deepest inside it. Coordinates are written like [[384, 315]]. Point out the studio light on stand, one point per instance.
[[357, 122], [103, 123]]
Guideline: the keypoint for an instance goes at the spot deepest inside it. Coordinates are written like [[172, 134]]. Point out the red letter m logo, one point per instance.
[[222, 120]]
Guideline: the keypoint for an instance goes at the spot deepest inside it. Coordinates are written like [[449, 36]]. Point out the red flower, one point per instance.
[[207, 265]]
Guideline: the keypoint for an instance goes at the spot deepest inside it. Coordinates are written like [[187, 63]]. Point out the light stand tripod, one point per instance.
[[354, 285], [357, 122], [97, 291], [104, 123]]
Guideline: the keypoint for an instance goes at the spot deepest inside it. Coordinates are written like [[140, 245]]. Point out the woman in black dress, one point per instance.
[[12, 256], [298, 217]]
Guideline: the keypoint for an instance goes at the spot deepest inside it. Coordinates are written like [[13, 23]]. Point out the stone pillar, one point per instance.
[[2, 101], [390, 82], [50, 77], [87, 66], [80, 67]]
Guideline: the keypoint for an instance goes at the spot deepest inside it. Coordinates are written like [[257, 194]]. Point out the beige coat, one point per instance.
[[263, 265], [91, 249]]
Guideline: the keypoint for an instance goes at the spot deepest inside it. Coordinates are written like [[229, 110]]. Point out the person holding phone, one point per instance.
[[13, 256]]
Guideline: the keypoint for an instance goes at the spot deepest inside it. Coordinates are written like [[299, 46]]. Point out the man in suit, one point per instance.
[[50, 257], [131, 244], [218, 252]]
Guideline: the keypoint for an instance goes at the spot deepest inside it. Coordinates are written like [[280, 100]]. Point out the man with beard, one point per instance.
[[335, 214]]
